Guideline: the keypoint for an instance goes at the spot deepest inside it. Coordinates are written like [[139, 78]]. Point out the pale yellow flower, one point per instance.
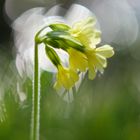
[[85, 32], [97, 59], [82, 50], [80, 42], [77, 60], [65, 78], [106, 51]]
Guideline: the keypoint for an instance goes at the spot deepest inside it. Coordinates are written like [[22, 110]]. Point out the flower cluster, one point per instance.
[[80, 42]]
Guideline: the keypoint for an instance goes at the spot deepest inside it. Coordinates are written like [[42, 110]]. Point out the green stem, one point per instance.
[[36, 98]]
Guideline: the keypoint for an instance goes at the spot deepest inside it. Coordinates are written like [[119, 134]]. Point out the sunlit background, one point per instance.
[[107, 108]]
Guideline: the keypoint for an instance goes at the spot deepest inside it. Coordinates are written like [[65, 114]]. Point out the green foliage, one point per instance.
[[104, 109]]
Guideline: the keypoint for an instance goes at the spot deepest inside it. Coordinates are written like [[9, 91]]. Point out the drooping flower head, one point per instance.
[[89, 36], [80, 42], [97, 59]]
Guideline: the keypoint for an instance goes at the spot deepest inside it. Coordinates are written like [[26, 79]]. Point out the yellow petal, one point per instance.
[[65, 78], [94, 41], [77, 59], [74, 76], [84, 31], [106, 51], [101, 60], [91, 73]]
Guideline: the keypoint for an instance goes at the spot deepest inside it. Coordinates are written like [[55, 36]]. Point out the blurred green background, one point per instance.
[[107, 108]]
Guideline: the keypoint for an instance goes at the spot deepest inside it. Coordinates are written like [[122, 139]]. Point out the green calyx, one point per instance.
[[59, 27], [65, 40], [52, 55], [39, 39], [59, 37]]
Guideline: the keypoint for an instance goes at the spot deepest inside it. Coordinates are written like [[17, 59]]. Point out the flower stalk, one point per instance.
[[36, 98]]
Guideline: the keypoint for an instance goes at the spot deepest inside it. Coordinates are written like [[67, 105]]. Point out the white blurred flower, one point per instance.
[[118, 21], [27, 25], [25, 28]]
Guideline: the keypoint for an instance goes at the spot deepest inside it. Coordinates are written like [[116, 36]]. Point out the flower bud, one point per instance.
[[52, 56]]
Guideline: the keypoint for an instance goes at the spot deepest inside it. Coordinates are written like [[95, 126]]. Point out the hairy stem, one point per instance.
[[36, 98]]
